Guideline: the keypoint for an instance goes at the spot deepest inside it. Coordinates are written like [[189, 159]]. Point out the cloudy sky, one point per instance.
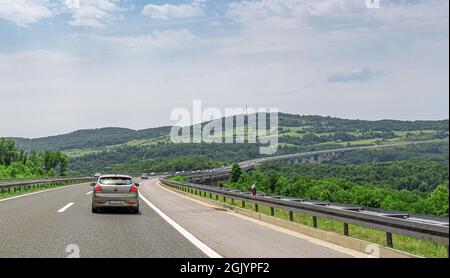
[[75, 64]]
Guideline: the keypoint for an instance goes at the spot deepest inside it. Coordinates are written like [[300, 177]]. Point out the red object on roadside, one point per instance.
[[253, 190]]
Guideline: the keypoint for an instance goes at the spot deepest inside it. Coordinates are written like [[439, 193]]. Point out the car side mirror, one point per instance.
[[93, 184], [136, 184]]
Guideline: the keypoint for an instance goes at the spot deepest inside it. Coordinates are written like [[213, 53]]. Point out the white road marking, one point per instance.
[[39, 192], [89, 193], [200, 245], [333, 246], [63, 209]]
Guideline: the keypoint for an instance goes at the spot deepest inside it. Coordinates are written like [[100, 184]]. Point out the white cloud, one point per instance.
[[361, 75], [296, 25], [86, 13], [331, 11], [24, 12], [169, 11], [157, 38], [91, 13]]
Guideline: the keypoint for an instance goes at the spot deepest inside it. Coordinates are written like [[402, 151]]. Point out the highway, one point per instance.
[[59, 223]]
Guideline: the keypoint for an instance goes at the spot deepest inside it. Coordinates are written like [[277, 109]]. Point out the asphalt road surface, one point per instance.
[[59, 223]]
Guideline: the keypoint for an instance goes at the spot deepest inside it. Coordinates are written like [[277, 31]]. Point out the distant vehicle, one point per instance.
[[115, 191], [152, 174], [97, 175], [144, 176]]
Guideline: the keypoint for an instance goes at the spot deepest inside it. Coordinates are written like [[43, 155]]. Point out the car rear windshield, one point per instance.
[[116, 181]]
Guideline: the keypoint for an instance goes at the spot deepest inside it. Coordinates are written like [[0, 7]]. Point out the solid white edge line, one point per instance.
[[64, 208], [39, 192], [200, 245]]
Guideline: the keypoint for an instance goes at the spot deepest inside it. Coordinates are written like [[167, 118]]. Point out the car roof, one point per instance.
[[115, 176]]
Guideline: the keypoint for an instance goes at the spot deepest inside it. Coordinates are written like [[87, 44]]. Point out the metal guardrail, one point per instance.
[[435, 229], [18, 186], [11, 180]]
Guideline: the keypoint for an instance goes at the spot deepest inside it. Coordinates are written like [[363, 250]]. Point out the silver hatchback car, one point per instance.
[[115, 191]]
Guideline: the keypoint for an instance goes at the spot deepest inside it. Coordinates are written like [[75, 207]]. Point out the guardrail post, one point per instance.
[[346, 229], [438, 236], [389, 240]]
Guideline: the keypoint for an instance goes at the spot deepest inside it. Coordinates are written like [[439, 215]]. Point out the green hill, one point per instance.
[[108, 149], [90, 138]]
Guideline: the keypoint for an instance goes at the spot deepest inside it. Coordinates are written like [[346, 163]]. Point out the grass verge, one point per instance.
[[411, 245], [24, 191]]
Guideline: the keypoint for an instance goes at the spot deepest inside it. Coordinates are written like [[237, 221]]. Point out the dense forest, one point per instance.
[[412, 177], [430, 151], [420, 175], [124, 157], [311, 125], [369, 191], [171, 164], [147, 159], [90, 138], [116, 148], [329, 124], [16, 163]]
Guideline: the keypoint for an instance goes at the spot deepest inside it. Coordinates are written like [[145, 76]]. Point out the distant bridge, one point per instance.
[[420, 226], [215, 175]]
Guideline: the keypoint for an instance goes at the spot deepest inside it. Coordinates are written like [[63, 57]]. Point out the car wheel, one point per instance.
[[94, 210], [135, 210]]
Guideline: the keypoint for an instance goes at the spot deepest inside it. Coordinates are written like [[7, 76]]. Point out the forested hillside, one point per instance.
[[92, 138], [414, 186], [16, 163], [116, 148], [412, 177], [420, 175]]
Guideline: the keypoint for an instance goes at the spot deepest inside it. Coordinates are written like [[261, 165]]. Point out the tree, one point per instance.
[[236, 173], [51, 160], [63, 164], [17, 163], [8, 151], [438, 200]]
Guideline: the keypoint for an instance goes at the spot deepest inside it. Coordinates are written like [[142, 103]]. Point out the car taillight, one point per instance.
[[98, 188], [134, 188]]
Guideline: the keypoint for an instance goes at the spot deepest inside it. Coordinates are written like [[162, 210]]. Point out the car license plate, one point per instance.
[[116, 203]]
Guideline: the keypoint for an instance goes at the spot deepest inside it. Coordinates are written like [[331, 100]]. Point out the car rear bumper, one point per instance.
[[105, 200]]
